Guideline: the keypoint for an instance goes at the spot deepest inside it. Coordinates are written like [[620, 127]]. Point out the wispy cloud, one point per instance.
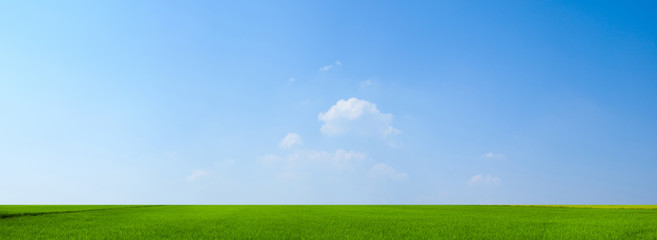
[[492, 155], [340, 159], [290, 140], [196, 174], [385, 171], [366, 83], [330, 66], [481, 179]]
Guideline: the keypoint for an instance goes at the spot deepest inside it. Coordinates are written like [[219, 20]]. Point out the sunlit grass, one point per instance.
[[597, 206], [327, 222]]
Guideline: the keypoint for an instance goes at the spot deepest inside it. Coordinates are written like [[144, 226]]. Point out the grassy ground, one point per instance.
[[597, 206], [32, 210], [327, 222]]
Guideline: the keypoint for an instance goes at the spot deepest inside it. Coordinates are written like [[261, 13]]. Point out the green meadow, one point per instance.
[[327, 222]]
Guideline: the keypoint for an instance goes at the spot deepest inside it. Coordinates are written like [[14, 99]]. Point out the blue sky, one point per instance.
[[331, 102]]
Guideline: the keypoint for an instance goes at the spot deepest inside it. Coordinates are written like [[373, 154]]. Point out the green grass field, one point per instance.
[[328, 222]]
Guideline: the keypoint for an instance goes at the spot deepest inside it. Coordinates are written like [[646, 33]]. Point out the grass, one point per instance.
[[600, 206], [33, 210], [328, 222]]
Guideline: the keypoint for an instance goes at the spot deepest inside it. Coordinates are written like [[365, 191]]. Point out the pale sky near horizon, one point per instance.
[[328, 102]]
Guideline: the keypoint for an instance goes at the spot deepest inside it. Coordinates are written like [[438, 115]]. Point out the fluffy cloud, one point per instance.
[[328, 67], [383, 170], [481, 179], [492, 155], [196, 174], [290, 140], [358, 116]]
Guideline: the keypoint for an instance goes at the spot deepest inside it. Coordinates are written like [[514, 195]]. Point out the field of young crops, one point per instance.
[[328, 222]]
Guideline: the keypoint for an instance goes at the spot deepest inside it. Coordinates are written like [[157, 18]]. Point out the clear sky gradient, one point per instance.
[[328, 102]]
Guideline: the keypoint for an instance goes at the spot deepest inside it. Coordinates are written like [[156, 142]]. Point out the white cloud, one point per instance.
[[326, 68], [290, 140], [492, 155], [196, 174], [391, 131], [481, 179], [329, 67], [358, 116], [383, 170]]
